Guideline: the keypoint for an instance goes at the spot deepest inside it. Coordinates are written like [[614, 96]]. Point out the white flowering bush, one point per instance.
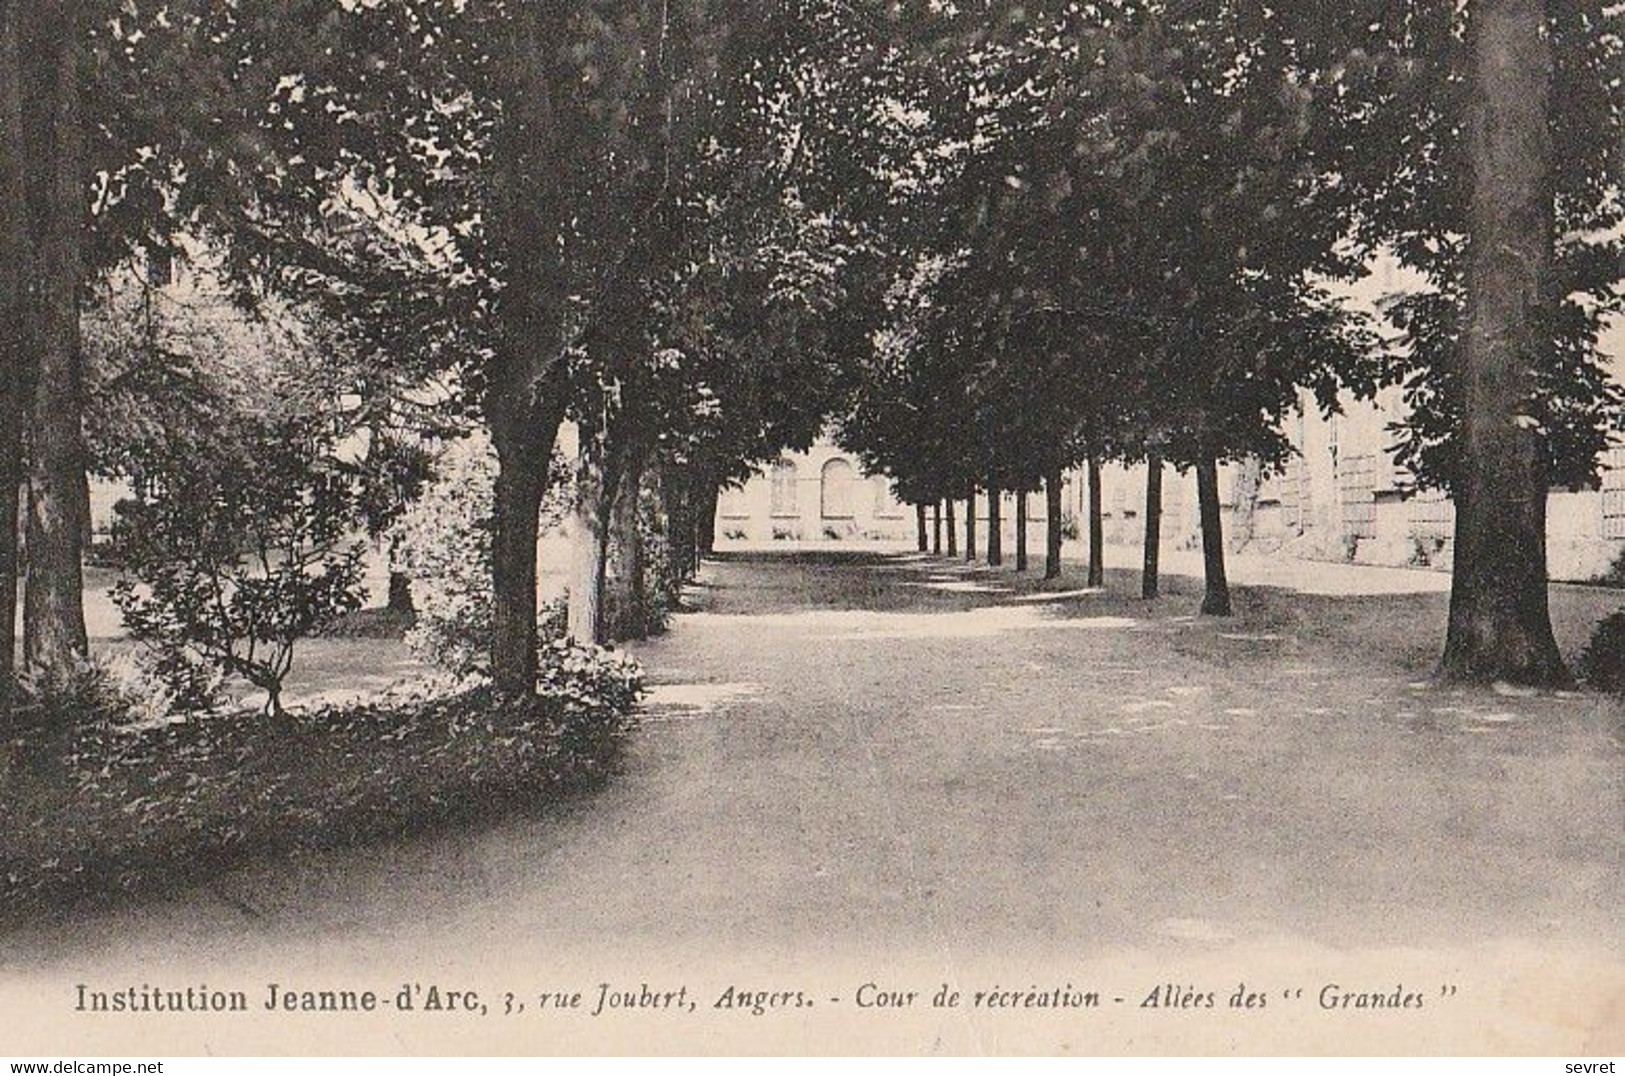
[[443, 542], [589, 681]]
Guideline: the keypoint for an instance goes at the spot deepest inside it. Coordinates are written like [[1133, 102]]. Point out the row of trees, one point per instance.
[[1127, 221], [997, 239], [631, 216]]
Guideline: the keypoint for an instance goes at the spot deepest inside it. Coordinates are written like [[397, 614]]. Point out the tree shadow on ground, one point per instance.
[[1400, 634]]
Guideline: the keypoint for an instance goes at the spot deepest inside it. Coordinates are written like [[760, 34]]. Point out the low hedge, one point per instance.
[[89, 807]]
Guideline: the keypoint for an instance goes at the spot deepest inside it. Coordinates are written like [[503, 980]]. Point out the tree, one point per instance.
[[1054, 524], [235, 559], [52, 40], [16, 358], [1501, 365], [1097, 564], [1500, 626]]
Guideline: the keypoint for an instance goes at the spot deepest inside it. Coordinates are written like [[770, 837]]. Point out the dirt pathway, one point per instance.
[[934, 773]]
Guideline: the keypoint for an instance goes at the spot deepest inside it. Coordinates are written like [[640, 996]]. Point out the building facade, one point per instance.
[[1344, 496], [1341, 497], [824, 494]]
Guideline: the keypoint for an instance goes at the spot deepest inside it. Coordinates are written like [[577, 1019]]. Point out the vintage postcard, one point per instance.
[[812, 527]]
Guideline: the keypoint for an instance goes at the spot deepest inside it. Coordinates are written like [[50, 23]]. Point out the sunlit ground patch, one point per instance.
[[855, 625], [687, 702], [1058, 595], [961, 587]]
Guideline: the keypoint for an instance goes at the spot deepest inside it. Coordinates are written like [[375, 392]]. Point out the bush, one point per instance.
[[1615, 575], [591, 682], [444, 543], [65, 697], [120, 808], [1603, 662], [1426, 550], [232, 560], [154, 693]]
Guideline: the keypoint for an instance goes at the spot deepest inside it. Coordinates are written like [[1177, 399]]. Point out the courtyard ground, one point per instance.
[[862, 766]]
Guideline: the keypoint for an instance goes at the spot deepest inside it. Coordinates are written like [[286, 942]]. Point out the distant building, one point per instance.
[[1344, 496], [824, 494], [820, 494]]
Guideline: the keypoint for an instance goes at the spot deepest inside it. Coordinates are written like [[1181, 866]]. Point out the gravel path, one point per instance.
[[858, 767]]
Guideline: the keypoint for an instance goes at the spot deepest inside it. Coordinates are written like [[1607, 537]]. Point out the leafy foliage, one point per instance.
[[233, 560], [1603, 661], [118, 809], [443, 541]]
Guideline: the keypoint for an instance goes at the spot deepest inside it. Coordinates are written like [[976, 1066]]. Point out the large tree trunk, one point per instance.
[[936, 529], [953, 533], [626, 567], [1021, 530], [524, 444], [15, 357], [400, 594], [1216, 595], [1097, 528], [705, 517], [1150, 583], [970, 525], [54, 633], [919, 527], [589, 542], [995, 527], [678, 522], [1053, 509], [1500, 625]]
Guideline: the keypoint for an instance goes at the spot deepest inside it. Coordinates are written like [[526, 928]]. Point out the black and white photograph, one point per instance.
[[812, 527]]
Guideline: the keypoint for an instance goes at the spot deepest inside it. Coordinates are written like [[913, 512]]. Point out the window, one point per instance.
[[836, 490], [1613, 493], [1356, 478], [784, 490]]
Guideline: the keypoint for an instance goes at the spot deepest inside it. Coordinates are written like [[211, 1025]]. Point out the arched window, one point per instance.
[[784, 490], [836, 490]]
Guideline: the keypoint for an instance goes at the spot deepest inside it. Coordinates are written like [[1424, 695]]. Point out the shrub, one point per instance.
[[444, 543], [591, 682], [232, 560], [1070, 529], [155, 692], [1425, 550], [1603, 662], [115, 808], [1615, 575], [65, 697]]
